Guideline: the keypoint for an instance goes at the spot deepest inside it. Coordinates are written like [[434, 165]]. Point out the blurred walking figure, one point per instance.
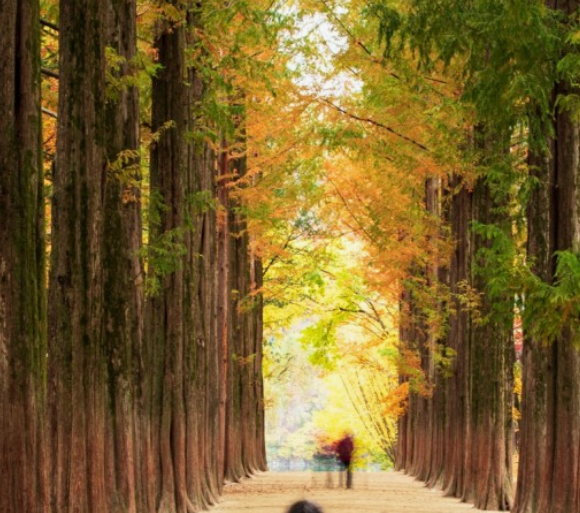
[[324, 459], [304, 507], [344, 449]]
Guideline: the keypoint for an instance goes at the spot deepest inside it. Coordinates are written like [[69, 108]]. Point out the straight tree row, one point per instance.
[[114, 399], [519, 67]]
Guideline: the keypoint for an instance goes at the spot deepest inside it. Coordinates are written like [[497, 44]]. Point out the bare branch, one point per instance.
[[49, 24], [50, 113], [49, 73]]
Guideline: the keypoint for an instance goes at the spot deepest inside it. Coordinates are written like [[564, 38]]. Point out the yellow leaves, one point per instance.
[[410, 368], [396, 402], [516, 413], [126, 170]]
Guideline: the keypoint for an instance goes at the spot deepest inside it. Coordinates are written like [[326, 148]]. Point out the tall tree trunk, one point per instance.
[[123, 273], [204, 439], [183, 346], [488, 481], [256, 280], [537, 425], [240, 321], [77, 357], [418, 428], [459, 328], [225, 322], [167, 260], [435, 273], [235, 429], [23, 454], [549, 470], [404, 448]]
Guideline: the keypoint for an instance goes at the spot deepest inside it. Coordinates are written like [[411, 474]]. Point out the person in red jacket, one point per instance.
[[344, 449]]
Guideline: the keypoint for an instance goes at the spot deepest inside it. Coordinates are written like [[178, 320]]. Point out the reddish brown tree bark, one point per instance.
[[240, 310], [420, 429], [123, 273], [77, 356], [23, 455], [166, 313], [459, 329], [548, 474], [465, 426], [489, 451]]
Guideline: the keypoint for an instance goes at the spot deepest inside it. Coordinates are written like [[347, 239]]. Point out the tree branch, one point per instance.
[[346, 205], [375, 123], [49, 24], [365, 48], [49, 73], [50, 113]]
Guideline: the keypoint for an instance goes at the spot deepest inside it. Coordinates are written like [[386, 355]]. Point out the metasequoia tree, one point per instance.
[[247, 357], [470, 370], [497, 66], [471, 402], [170, 359], [421, 429], [548, 468], [240, 304], [548, 474], [202, 277], [465, 425], [489, 364], [202, 343], [23, 454], [123, 273], [78, 359]]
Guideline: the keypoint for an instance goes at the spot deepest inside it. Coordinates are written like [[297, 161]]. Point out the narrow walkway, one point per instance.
[[376, 492]]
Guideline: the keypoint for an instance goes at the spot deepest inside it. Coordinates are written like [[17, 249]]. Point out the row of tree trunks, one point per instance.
[[478, 447], [416, 428], [549, 470], [245, 443], [446, 438], [199, 338], [23, 455], [420, 445], [100, 414], [410, 429]]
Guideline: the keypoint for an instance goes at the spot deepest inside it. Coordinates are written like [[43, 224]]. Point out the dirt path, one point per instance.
[[378, 492]]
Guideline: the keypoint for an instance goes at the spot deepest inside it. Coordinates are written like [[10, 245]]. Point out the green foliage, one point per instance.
[[320, 338], [549, 309], [165, 250], [569, 71], [201, 201], [546, 309], [390, 23], [444, 358], [499, 264], [164, 255], [126, 168], [502, 52], [49, 10], [121, 75]]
